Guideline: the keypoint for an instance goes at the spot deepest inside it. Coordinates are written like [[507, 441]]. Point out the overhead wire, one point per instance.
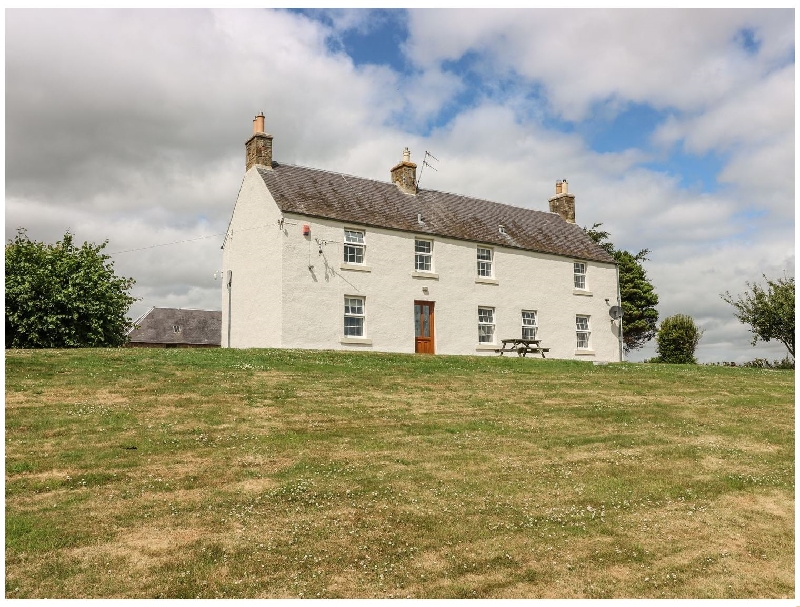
[[166, 244]]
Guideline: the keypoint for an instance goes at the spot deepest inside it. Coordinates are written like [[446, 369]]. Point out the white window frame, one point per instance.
[[421, 256], [529, 321], [485, 266], [357, 310], [579, 274], [355, 243], [583, 332], [487, 324]]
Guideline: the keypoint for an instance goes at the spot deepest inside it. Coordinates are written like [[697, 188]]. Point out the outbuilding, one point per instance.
[[176, 328]]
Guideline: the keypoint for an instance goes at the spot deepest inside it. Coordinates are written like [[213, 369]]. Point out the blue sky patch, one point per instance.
[[380, 44], [746, 38], [377, 42], [631, 128], [698, 173]]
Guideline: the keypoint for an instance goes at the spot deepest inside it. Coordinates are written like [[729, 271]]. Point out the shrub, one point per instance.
[[677, 340], [63, 295], [763, 363]]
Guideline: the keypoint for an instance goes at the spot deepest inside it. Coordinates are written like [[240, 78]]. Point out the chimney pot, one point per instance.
[[258, 123]]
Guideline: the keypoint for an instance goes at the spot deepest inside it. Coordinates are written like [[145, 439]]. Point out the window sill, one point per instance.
[[428, 275], [584, 352], [354, 267], [584, 292], [486, 281], [486, 347], [356, 340]]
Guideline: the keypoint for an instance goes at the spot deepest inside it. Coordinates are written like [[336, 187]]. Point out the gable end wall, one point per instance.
[[253, 250]]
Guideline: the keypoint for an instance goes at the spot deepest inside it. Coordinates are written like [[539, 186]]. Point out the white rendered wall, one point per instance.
[[313, 297], [252, 250]]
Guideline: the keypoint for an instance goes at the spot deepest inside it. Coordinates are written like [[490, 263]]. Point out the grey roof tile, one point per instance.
[[329, 195], [197, 327]]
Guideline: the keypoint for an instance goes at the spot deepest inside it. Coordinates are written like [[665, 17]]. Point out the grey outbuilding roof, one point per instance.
[[178, 326], [368, 202]]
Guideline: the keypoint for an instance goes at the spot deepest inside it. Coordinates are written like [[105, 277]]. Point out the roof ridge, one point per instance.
[[189, 309], [432, 191]]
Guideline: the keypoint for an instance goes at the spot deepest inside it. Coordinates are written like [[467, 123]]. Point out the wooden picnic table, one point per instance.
[[522, 346]]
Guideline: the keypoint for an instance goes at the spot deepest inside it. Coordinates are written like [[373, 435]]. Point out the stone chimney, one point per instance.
[[563, 202], [404, 174], [258, 149]]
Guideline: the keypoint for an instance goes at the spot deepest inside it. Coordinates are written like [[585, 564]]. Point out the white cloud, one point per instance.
[[684, 59], [764, 177], [755, 114]]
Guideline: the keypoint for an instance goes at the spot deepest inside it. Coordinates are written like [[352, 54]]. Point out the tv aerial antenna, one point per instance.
[[425, 163]]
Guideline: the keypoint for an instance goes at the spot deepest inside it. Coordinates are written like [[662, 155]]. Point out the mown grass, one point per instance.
[[265, 473]]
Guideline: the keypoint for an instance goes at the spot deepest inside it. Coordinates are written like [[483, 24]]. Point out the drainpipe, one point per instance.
[[619, 303], [230, 280]]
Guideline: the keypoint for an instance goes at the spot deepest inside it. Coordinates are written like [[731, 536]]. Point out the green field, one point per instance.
[[267, 473]]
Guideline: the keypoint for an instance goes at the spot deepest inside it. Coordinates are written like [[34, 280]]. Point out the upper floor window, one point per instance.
[[580, 275], [529, 324], [582, 331], [354, 246], [486, 325], [423, 255], [484, 262]]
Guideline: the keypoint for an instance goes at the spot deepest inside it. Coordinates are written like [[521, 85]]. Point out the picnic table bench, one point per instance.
[[522, 347]]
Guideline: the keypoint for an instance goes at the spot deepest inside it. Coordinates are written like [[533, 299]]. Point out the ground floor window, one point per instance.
[[529, 324], [354, 317], [582, 331], [486, 325]]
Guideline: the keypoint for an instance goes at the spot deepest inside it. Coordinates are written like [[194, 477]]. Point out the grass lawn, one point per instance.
[[266, 473]]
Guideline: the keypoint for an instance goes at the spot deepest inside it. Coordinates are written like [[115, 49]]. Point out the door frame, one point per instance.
[[431, 322]]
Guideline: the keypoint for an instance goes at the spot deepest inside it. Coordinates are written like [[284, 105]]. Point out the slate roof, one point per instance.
[[197, 327], [355, 200]]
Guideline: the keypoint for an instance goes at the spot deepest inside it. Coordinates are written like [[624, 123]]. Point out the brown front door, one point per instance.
[[423, 327]]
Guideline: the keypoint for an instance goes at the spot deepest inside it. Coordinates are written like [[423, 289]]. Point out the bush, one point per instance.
[[63, 295], [677, 340], [763, 363]]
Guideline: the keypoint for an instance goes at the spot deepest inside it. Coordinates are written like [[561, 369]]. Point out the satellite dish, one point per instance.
[[615, 312]]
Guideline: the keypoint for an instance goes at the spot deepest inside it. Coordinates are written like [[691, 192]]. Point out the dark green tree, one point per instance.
[[63, 296], [639, 299], [677, 339], [769, 312]]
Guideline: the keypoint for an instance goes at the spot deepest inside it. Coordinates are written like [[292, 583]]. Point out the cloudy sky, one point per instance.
[[675, 129]]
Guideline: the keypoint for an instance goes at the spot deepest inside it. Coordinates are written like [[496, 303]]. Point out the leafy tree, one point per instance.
[[639, 299], [770, 312], [677, 339], [63, 296]]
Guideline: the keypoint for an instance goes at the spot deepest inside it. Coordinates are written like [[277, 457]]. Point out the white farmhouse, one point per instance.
[[316, 259]]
